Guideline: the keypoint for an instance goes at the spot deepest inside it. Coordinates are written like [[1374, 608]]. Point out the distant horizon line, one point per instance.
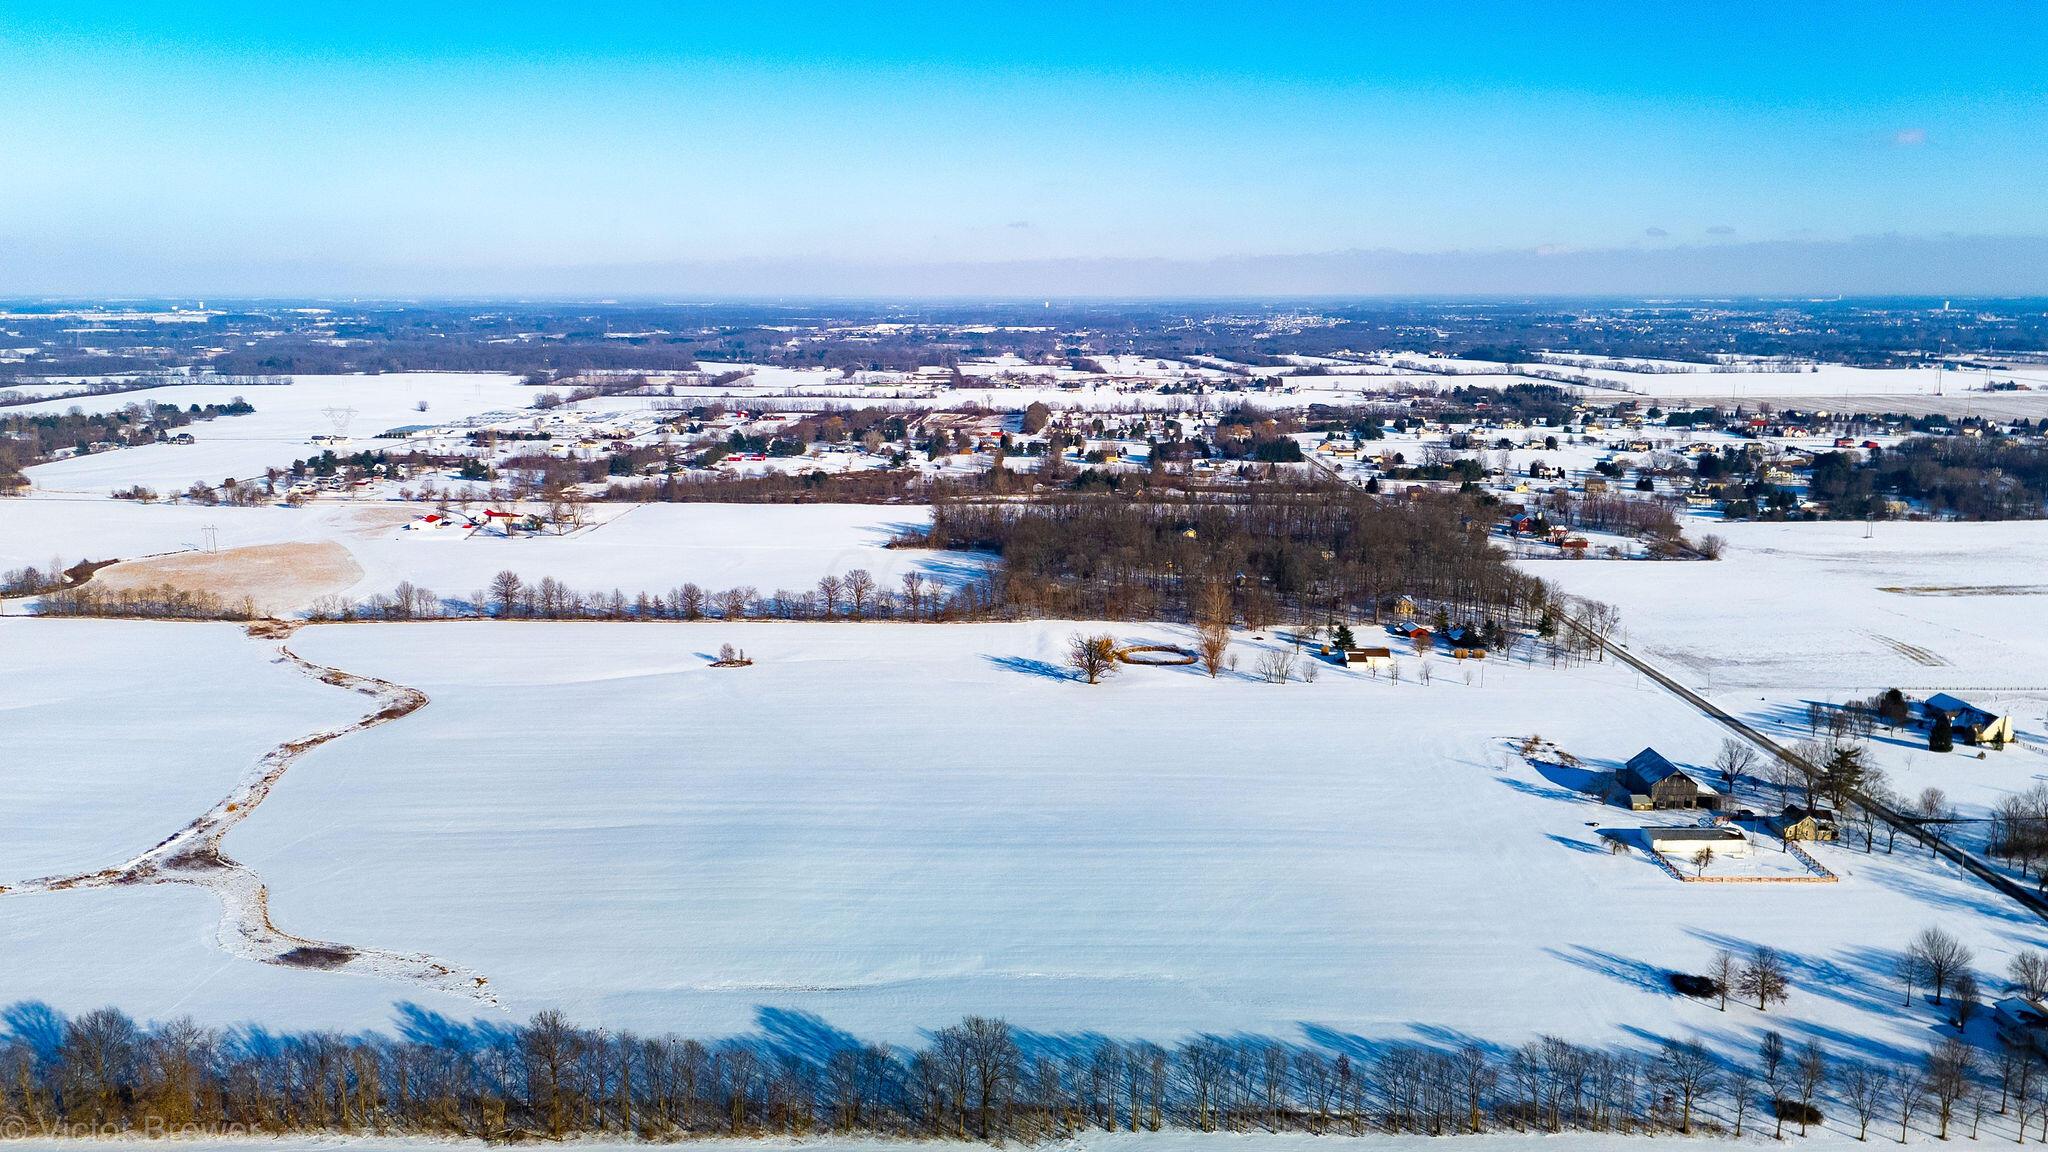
[[1889, 266], [207, 300]]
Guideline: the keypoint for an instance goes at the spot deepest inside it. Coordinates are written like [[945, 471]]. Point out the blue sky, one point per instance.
[[224, 147]]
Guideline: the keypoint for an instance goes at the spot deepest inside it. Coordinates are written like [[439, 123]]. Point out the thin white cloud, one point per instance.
[[1910, 137]]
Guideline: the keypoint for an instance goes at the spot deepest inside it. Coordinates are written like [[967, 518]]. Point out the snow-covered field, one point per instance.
[[891, 825], [636, 548], [114, 733], [278, 432], [1928, 606]]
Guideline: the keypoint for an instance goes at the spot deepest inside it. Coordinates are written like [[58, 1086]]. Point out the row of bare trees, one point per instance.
[[102, 1073], [2019, 830], [853, 595], [158, 602]]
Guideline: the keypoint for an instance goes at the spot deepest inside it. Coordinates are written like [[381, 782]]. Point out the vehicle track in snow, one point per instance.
[[1918, 655], [192, 855]]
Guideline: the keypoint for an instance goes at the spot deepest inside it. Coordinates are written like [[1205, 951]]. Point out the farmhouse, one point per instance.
[[1973, 725], [1687, 843], [1667, 785], [1801, 823]]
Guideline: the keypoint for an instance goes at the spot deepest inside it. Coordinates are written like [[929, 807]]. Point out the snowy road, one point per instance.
[[1969, 862]]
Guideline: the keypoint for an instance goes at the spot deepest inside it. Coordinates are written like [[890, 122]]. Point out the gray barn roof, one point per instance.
[[1650, 766]]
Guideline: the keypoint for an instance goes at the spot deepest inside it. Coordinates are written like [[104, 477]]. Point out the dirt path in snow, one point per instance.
[[192, 855]]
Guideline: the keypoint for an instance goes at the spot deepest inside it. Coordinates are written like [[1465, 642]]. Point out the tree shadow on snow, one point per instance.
[[1576, 845], [420, 1025], [806, 1034], [1639, 974], [1029, 667], [953, 573], [34, 1025]]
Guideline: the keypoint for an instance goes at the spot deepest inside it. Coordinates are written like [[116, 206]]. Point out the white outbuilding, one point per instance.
[[1683, 844]]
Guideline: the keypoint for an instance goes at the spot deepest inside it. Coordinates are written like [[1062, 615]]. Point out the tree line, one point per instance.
[[102, 1074], [852, 595], [31, 438], [1282, 551], [1967, 477]]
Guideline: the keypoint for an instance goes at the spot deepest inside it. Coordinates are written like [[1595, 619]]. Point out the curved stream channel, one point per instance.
[[192, 855]]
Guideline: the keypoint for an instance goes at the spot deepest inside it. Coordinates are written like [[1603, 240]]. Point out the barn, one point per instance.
[[1667, 785], [1373, 658]]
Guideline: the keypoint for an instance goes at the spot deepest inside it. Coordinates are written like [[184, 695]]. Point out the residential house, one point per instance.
[[2021, 1023], [1972, 725], [1798, 822]]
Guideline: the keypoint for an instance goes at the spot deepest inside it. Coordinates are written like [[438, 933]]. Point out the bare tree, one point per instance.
[[1741, 1092], [2029, 973], [1910, 1085], [1276, 665], [1864, 1088], [1950, 1068], [859, 585], [1940, 957], [1092, 657], [689, 602], [1812, 1073], [1770, 1053], [1932, 808], [1690, 1073], [913, 593], [1212, 644], [734, 602], [1964, 996], [1763, 979], [1911, 970], [1212, 627], [1735, 760], [505, 589], [1724, 969], [992, 1052]]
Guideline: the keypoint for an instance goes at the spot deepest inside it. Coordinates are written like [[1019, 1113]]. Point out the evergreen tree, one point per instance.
[[1943, 738]]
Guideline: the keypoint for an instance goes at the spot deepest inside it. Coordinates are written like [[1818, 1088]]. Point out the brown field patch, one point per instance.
[[1965, 589], [280, 578]]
